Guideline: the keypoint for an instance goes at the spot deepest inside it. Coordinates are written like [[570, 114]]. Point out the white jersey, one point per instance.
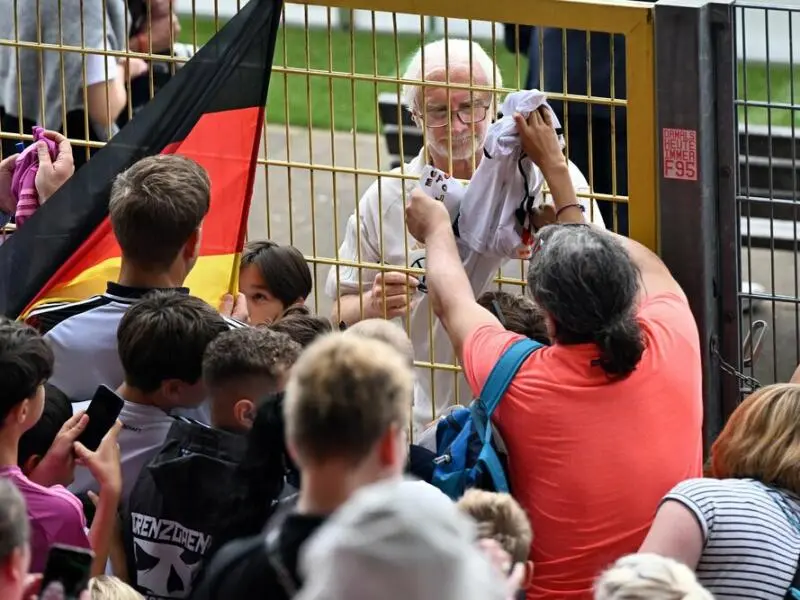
[[513, 182], [377, 233], [144, 429]]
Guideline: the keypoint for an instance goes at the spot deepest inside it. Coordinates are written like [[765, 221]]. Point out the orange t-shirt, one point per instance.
[[590, 459]]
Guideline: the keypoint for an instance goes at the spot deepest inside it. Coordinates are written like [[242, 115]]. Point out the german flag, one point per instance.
[[212, 111]]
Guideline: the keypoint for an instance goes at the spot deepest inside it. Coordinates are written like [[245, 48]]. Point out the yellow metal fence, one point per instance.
[[323, 142]]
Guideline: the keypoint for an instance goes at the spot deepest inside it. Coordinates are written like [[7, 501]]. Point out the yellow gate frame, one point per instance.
[[632, 19]]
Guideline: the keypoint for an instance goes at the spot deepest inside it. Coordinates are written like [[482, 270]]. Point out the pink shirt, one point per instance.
[[55, 514], [590, 458]]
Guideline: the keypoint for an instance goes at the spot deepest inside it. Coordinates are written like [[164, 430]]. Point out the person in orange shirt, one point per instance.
[[600, 425]]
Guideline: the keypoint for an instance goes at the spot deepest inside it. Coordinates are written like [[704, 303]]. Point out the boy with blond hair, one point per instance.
[[501, 518]]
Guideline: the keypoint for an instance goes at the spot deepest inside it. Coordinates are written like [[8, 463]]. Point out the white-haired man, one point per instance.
[[456, 121]]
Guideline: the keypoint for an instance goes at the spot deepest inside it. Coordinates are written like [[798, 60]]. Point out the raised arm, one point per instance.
[[540, 143], [451, 293]]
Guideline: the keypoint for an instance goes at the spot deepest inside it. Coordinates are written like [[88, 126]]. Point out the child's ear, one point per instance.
[[20, 412], [244, 411], [528, 575], [31, 463]]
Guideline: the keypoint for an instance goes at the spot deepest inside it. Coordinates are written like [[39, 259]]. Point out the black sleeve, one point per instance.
[[239, 570], [510, 37]]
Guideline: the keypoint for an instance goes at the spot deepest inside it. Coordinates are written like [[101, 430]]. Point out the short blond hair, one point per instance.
[[343, 395], [385, 331], [649, 577], [106, 587], [761, 439], [500, 518]]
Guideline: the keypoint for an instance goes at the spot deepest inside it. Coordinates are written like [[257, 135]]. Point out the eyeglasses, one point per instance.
[[468, 115]]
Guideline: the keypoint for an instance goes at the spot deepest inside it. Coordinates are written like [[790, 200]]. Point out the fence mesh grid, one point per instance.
[[335, 122], [767, 199]]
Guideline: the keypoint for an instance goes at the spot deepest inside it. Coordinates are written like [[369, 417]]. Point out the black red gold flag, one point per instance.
[[212, 111]]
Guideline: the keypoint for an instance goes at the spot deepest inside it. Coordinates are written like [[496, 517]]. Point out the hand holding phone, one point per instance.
[[104, 464], [102, 412], [66, 573], [58, 464]]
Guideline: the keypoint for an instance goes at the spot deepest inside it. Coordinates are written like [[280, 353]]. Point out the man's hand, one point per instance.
[[424, 215], [52, 174], [104, 463], [236, 309], [539, 139], [131, 68], [7, 203], [392, 290], [58, 465]]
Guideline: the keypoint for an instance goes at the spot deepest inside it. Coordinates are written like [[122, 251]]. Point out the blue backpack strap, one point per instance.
[[504, 371], [487, 455], [493, 391]]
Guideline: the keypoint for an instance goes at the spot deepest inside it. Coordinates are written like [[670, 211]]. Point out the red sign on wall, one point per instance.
[[680, 154]]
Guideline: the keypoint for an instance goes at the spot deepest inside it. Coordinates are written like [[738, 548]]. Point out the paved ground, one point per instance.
[[331, 198], [781, 277]]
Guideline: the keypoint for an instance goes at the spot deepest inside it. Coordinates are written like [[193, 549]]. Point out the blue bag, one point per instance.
[[470, 452]]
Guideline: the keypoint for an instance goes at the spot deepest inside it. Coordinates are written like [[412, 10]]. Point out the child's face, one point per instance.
[[262, 306]]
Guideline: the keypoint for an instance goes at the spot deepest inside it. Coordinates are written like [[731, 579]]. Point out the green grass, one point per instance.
[[779, 84], [301, 98]]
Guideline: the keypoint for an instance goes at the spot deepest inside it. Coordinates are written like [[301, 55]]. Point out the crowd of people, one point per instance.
[[265, 450]]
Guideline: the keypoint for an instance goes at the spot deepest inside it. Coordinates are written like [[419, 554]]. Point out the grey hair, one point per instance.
[[649, 577], [588, 285], [443, 53], [14, 527]]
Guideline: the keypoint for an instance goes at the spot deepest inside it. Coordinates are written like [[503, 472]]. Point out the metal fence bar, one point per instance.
[[642, 171], [688, 182], [609, 16], [728, 285]]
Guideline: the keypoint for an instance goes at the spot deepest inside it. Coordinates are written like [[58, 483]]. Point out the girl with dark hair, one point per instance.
[[273, 278]]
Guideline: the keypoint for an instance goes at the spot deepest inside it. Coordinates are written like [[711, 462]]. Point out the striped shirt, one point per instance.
[[751, 547]]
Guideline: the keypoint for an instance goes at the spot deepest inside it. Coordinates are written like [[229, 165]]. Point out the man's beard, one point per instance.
[[463, 148]]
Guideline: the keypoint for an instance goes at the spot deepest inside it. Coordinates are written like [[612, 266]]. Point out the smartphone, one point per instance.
[[66, 574], [103, 412]]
